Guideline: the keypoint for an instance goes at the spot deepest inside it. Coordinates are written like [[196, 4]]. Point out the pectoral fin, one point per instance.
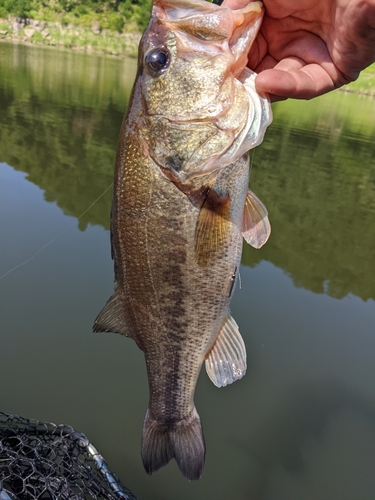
[[212, 228], [226, 361], [256, 228], [111, 317]]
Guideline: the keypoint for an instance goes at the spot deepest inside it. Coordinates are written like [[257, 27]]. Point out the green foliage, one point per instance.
[[114, 15], [19, 8], [112, 21], [37, 37], [142, 11]]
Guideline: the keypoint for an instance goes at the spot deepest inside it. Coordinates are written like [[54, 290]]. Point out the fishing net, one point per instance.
[[41, 460]]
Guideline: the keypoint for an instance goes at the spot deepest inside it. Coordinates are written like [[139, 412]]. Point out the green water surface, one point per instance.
[[301, 424]]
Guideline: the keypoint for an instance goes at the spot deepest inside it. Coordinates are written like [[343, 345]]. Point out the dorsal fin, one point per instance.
[[111, 317]]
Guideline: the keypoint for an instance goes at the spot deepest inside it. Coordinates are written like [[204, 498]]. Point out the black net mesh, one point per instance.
[[46, 461]]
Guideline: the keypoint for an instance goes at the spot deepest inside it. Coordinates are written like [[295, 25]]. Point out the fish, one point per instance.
[[181, 209]]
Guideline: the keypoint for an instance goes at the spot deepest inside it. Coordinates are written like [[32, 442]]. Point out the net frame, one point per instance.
[[42, 460]]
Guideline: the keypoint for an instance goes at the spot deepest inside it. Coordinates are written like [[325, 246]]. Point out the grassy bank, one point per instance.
[[112, 26], [115, 15], [55, 33]]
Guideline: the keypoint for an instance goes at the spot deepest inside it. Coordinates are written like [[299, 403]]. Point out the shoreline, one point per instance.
[[94, 40], [349, 90], [69, 36]]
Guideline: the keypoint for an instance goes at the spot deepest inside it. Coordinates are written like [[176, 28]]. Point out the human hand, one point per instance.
[[306, 48]]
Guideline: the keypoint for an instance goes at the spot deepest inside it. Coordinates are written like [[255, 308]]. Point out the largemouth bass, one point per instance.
[[181, 207]]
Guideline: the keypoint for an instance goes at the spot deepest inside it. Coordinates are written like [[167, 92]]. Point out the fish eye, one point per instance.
[[157, 61]]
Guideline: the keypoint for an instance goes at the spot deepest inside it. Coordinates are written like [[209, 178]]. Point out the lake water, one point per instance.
[[301, 424]]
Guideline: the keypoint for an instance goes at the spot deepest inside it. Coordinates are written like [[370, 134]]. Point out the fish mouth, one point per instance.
[[217, 35], [212, 23]]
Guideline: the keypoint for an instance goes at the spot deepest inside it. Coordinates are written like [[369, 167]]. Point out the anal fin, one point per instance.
[[256, 227], [111, 317], [226, 361]]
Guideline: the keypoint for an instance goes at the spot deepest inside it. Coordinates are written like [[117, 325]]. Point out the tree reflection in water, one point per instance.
[[315, 170]]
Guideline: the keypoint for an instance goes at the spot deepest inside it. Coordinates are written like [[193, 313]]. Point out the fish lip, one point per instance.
[[244, 34]]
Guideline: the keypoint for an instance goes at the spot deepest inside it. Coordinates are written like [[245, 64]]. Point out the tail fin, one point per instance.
[[183, 441]]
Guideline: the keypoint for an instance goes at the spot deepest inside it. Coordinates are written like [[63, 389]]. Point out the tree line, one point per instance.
[[117, 15]]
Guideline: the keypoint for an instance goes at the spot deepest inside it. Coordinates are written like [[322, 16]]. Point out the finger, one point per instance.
[[257, 53], [287, 64], [305, 83], [290, 64], [267, 63], [235, 4]]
